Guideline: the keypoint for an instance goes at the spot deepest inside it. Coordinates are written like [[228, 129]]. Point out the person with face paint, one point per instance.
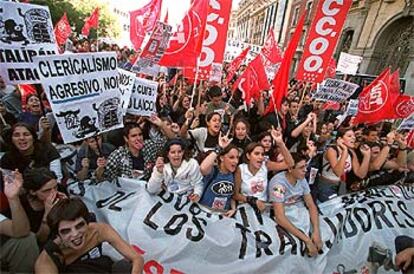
[[252, 176], [289, 193], [177, 172], [338, 160], [126, 161], [76, 244], [219, 179]]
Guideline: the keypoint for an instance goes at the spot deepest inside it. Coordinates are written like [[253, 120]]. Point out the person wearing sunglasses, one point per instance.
[[75, 245]]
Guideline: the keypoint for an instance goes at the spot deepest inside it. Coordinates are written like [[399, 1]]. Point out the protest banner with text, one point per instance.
[[143, 97], [83, 91], [178, 236], [147, 62], [335, 90], [27, 32]]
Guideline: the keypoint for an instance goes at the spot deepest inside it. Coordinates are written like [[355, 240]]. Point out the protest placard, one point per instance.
[[334, 90], [153, 50], [126, 83], [348, 63], [143, 97], [83, 91], [175, 234], [27, 32], [352, 108], [407, 123]]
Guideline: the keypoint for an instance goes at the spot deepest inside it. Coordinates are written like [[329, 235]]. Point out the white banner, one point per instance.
[[143, 97], [26, 31], [348, 63], [334, 90], [176, 236], [83, 91], [153, 50], [407, 123], [126, 83]]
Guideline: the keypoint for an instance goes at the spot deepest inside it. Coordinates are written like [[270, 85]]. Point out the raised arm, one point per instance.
[[19, 225], [298, 130]]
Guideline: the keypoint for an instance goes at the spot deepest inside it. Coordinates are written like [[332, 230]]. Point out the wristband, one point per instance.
[[218, 150]]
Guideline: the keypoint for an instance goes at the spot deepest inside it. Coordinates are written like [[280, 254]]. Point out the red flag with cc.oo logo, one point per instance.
[[322, 39]]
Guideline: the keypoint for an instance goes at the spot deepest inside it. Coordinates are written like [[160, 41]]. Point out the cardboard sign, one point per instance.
[[153, 50], [83, 91], [143, 97], [407, 123], [335, 90], [126, 83], [26, 32], [348, 63]]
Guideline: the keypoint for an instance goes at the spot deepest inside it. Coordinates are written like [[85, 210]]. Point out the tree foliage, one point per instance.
[[78, 10]]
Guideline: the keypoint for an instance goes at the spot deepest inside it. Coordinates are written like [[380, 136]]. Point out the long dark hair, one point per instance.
[[8, 137], [176, 141]]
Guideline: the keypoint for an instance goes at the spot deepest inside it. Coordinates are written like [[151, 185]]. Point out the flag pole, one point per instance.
[[275, 110], [302, 97], [195, 82]]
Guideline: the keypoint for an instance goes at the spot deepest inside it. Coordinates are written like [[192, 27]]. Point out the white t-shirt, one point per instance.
[[254, 185]]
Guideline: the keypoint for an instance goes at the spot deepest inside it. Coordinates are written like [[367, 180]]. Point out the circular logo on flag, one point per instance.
[[405, 108], [180, 39], [375, 99]]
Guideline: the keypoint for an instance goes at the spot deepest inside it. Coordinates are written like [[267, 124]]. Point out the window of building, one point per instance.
[[308, 10], [295, 17]]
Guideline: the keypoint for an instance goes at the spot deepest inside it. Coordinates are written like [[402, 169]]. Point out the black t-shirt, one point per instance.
[[42, 156], [211, 141], [138, 162]]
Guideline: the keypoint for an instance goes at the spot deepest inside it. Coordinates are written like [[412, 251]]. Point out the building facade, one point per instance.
[[382, 32]]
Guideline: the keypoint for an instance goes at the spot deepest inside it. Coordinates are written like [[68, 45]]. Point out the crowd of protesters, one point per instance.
[[290, 160]]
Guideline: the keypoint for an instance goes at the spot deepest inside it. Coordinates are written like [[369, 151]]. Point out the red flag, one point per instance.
[[376, 101], [404, 106], [331, 70], [214, 42], [281, 81], [252, 81], [91, 22], [331, 105], [143, 21], [62, 30], [235, 64], [271, 56], [166, 18], [323, 35], [185, 44], [395, 82]]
